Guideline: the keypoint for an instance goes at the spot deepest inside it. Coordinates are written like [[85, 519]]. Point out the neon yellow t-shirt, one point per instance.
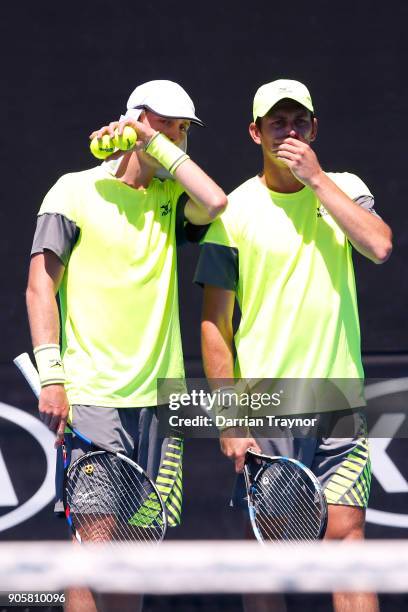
[[118, 297], [295, 286]]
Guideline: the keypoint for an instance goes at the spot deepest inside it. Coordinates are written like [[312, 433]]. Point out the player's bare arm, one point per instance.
[[207, 199], [369, 235], [46, 272], [217, 350]]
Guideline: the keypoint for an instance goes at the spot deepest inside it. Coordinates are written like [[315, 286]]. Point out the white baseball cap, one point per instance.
[[271, 93], [164, 98]]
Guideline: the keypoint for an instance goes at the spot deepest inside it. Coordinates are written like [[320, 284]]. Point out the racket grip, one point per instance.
[[26, 367]]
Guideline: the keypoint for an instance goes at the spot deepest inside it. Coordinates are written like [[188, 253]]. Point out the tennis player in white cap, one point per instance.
[[106, 242]]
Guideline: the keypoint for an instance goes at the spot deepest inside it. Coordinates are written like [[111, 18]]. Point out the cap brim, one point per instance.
[[193, 118], [309, 107]]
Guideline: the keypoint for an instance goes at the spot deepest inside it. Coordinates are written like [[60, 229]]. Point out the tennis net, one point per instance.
[[204, 567]]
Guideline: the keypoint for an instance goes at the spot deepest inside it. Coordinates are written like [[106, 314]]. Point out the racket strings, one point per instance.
[[274, 527], [286, 505], [268, 506], [295, 482], [117, 528], [287, 527], [283, 498], [147, 507], [279, 529], [100, 524], [290, 523], [105, 494], [150, 508], [150, 500]]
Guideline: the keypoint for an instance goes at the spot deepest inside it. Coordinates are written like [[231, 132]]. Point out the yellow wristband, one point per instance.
[[49, 364], [166, 152]]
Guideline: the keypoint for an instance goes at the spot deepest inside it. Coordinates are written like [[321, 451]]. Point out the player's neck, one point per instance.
[[135, 172], [280, 179]]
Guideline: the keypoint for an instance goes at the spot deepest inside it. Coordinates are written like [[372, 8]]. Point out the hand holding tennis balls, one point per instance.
[[126, 140], [103, 147]]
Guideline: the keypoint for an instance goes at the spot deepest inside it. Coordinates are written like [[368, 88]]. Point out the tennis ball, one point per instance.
[[126, 140], [102, 148]]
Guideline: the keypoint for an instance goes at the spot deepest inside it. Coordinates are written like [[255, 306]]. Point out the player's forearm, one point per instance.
[[43, 315], [208, 200], [217, 351], [368, 234], [44, 278]]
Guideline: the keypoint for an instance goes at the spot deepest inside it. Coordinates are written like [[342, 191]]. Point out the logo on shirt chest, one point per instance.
[[321, 211], [165, 209]]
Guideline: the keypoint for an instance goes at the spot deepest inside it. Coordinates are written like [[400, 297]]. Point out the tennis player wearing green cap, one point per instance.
[[106, 241], [283, 250]]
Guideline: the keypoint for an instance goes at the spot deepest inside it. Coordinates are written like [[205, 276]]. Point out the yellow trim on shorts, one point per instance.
[[350, 484]]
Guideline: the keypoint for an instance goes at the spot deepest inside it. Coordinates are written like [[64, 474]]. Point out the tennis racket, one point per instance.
[[107, 496], [285, 499]]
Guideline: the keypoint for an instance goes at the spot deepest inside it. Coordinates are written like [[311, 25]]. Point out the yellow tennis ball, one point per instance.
[[126, 140], [102, 148]]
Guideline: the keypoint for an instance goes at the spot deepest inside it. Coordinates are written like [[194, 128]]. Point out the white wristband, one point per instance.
[[49, 364]]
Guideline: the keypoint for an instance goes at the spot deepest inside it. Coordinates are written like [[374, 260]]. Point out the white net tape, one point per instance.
[[207, 567]]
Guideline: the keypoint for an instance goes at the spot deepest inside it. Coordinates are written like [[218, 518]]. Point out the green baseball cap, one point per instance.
[[269, 94]]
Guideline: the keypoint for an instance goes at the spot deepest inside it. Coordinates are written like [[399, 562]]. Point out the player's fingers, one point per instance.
[[130, 122], [112, 127], [296, 142], [101, 132], [286, 155], [295, 155], [139, 146], [44, 416], [60, 432], [286, 146], [98, 133], [255, 446], [239, 463], [54, 422]]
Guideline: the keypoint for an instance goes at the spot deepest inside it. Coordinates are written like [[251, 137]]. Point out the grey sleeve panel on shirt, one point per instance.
[[186, 231], [367, 202], [55, 233], [218, 266]]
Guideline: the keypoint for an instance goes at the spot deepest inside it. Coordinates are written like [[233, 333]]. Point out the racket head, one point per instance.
[[109, 497], [285, 499]]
